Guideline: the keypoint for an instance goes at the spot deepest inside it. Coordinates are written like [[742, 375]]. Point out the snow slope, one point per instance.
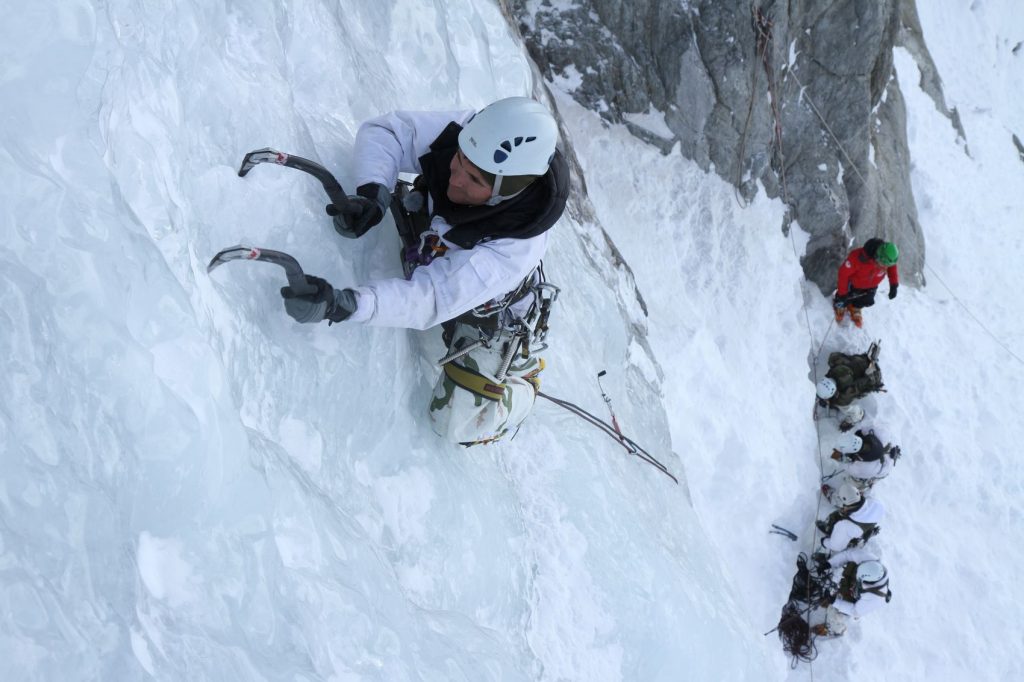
[[194, 487]]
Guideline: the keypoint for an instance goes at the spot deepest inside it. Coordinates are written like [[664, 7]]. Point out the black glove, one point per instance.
[[845, 426], [892, 291], [822, 402], [839, 302], [362, 211], [325, 303], [821, 564]]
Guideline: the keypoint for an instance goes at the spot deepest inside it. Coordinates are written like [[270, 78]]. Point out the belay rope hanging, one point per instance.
[[629, 444], [762, 25], [793, 630]]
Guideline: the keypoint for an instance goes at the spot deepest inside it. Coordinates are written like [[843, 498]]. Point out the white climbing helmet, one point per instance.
[[849, 443], [826, 388], [511, 137], [845, 496], [870, 572]]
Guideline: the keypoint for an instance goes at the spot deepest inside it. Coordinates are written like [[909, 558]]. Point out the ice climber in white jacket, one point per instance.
[[865, 456], [855, 519], [475, 226], [862, 587]]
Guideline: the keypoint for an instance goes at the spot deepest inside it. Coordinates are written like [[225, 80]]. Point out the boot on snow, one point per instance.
[[855, 315]]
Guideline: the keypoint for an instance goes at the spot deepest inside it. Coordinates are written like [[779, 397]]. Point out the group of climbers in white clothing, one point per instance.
[[843, 579], [863, 457], [860, 579]]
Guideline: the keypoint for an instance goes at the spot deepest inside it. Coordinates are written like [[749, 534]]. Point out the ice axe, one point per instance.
[[296, 278], [335, 192], [615, 421]]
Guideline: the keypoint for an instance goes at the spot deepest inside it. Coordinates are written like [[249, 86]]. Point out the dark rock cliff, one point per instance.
[[799, 97]]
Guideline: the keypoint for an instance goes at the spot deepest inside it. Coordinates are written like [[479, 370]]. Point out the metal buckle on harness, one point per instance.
[[522, 334], [414, 231], [529, 332], [429, 248], [547, 293]]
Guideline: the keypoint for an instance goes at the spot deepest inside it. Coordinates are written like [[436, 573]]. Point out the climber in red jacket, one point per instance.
[[859, 277]]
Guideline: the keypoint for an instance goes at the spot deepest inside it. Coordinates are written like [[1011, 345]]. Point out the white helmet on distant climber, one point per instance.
[[826, 388], [849, 443], [845, 496], [871, 572]]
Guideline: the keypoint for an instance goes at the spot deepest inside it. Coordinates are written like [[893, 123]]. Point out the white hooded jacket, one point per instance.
[[459, 280], [869, 471], [872, 511]]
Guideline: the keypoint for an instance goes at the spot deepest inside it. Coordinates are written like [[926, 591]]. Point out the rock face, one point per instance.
[[800, 97]]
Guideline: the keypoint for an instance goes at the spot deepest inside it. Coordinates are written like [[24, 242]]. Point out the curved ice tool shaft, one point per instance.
[[267, 155], [296, 278], [785, 532]]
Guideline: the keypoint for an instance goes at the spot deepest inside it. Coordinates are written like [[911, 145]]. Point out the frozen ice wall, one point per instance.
[[192, 486], [195, 487]]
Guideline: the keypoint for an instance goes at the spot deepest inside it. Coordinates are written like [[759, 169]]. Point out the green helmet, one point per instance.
[[887, 254]]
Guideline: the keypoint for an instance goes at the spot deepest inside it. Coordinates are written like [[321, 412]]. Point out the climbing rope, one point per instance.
[[763, 26], [973, 316], [809, 598], [763, 30], [776, 116], [930, 269], [814, 108], [817, 431], [629, 444], [763, 37]]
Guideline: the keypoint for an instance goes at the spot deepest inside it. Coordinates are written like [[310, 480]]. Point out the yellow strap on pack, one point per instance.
[[474, 382]]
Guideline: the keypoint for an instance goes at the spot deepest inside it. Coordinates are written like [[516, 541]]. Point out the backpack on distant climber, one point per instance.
[[855, 375]]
